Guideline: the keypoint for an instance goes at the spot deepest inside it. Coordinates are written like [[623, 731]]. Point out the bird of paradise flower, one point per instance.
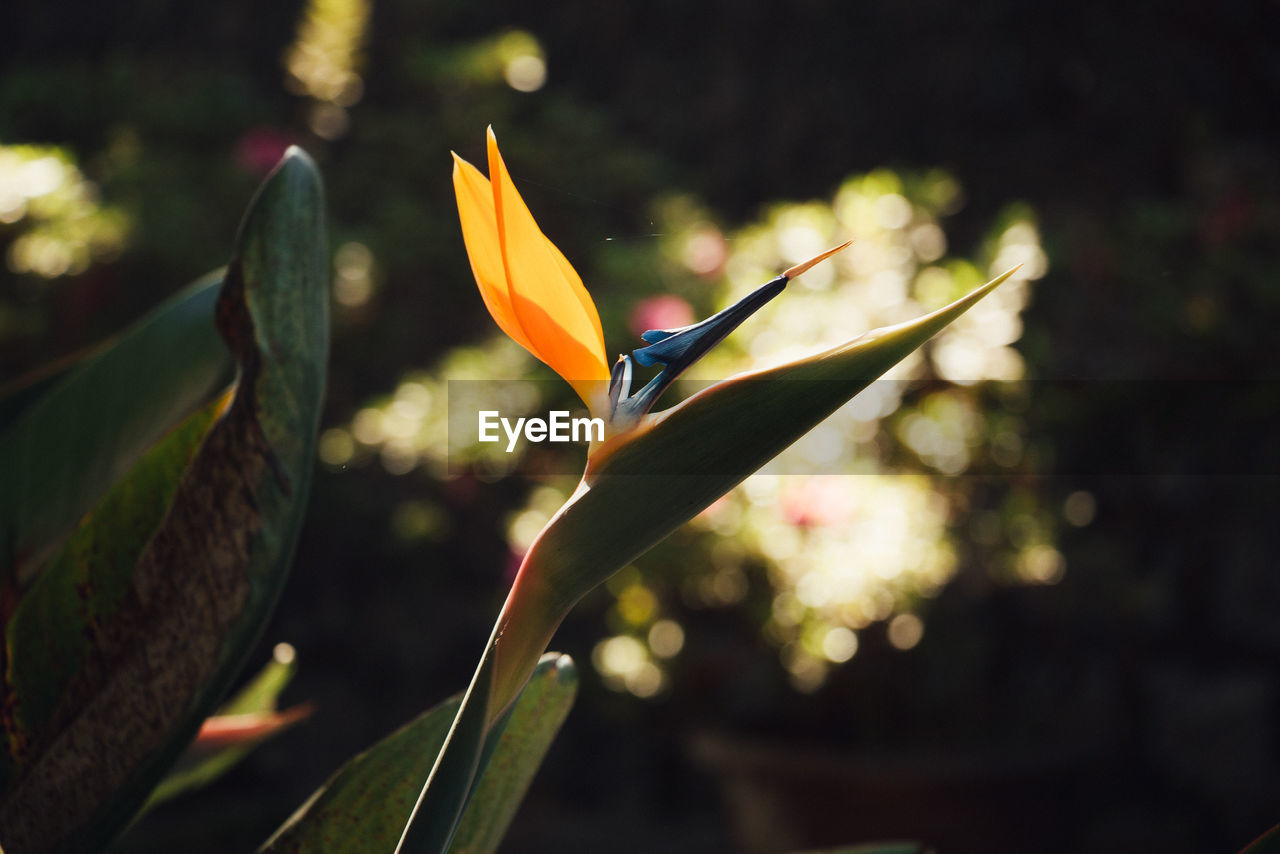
[[538, 299], [652, 473]]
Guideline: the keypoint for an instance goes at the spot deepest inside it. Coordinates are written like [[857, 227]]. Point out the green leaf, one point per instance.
[[536, 718], [240, 725], [640, 486], [19, 394], [122, 647], [457, 767], [74, 434], [64, 619], [364, 806]]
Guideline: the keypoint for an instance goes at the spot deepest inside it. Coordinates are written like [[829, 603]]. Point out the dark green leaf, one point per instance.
[[364, 806], [124, 645], [536, 718], [443, 795], [75, 436], [18, 395]]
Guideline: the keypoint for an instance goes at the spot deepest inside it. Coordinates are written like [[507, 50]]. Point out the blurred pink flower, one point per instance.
[[662, 312], [817, 501], [705, 251], [715, 507], [260, 148]]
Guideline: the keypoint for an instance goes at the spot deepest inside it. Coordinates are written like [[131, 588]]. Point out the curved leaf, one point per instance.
[[74, 434], [365, 805], [18, 394], [119, 651], [432, 822], [536, 718]]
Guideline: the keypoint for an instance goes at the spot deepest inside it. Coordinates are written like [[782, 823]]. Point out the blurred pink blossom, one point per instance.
[[662, 312], [260, 148], [706, 251], [817, 501], [715, 508]]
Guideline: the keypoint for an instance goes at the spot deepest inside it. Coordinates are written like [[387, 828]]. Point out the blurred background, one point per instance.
[[1036, 607]]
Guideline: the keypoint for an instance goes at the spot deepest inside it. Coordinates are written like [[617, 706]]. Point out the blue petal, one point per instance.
[[653, 336], [679, 348]]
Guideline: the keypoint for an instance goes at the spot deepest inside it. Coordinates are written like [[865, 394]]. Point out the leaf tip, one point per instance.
[[297, 169], [557, 669], [297, 157]]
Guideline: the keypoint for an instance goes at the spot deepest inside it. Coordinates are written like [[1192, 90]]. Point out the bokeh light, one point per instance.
[[323, 61], [61, 226], [905, 631]]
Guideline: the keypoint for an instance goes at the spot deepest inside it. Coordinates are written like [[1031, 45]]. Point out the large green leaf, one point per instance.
[[640, 486], [123, 645], [17, 395], [535, 719], [364, 806], [457, 769], [73, 433]]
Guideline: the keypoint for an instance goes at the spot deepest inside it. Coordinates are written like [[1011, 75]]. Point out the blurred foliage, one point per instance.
[[1091, 520], [45, 197]]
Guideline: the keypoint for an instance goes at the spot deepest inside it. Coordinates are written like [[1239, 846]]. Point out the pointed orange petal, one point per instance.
[[547, 296], [480, 233], [588, 304]]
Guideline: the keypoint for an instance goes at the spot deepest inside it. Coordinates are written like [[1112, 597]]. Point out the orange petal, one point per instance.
[[549, 301], [480, 233]]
